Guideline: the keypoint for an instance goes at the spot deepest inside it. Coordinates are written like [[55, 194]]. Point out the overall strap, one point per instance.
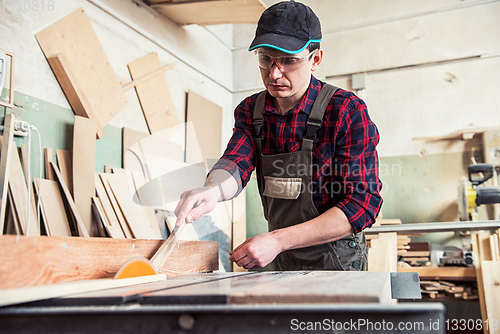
[[257, 120], [316, 115]]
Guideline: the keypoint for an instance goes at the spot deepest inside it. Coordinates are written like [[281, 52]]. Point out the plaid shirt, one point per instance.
[[345, 161]]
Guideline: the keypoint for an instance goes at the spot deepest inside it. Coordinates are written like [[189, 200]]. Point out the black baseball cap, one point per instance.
[[287, 26]]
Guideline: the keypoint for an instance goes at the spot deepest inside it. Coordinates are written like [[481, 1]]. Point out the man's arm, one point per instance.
[[260, 250]]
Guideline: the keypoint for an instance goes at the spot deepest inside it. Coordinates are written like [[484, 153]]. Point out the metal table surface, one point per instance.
[[152, 308]]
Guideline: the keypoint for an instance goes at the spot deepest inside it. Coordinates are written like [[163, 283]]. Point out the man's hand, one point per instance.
[[256, 252], [195, 203]]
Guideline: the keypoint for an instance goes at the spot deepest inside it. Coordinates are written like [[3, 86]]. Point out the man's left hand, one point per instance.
[[256, 252]]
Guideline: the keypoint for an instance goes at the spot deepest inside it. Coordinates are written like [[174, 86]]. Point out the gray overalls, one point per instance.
[[287, 197]]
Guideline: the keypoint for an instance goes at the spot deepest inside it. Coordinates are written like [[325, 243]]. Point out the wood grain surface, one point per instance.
[[30, 261]]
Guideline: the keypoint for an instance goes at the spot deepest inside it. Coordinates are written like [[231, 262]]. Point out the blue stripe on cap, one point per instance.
[[284, 50]]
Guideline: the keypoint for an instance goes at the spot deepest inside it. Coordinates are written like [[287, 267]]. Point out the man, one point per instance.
[[317, 167]]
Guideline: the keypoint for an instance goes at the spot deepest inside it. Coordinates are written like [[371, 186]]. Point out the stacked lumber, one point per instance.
[[443, 289]]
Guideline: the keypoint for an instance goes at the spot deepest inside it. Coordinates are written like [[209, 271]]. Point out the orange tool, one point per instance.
[[140, 266]]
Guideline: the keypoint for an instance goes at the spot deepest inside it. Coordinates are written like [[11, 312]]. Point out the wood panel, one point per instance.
[[82, 231], [114, 227], [129, 138], [49, 173], [83, 169], [53, 206], [212, 12], [154, 95], [114, 204], [19, 190], [82, 68], [7, 146], [206, 117], [491, 286], [134, 213], [44, 260], [65, 163]]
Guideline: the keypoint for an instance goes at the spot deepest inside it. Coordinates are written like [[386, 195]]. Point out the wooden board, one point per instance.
[[7, 146], [154, 95], [206, 117], [114, 226], [491, 286], [134, 213], [82, 68], [114, 231], [83, 169], [65, 163], [82, 231], [442, 273], [114, 204], [44, 260], [34, 293], [53, 206], [19, 190], [129, 138], [49, 173], [382, 254], [212, 12]]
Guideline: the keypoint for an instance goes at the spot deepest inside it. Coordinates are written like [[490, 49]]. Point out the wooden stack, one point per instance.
[[443, 289]]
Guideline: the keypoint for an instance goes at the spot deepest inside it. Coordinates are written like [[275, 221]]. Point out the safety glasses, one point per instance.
[[284, 63]]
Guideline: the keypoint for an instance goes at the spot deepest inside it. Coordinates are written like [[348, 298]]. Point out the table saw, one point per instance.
[[248, 302]]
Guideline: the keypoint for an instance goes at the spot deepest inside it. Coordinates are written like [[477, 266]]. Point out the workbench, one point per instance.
[[249, 302]]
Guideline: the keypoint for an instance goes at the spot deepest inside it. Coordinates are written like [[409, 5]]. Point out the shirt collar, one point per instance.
[[305, 103]]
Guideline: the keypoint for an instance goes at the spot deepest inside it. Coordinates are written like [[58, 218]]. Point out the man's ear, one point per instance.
[[317, 58]]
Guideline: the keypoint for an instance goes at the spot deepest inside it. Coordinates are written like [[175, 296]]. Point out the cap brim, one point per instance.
[[282, 43]]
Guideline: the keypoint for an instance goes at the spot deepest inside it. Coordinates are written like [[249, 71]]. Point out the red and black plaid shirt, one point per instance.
[[345, 161]]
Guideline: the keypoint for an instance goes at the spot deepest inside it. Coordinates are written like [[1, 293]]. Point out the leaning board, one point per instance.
[[82, 68]]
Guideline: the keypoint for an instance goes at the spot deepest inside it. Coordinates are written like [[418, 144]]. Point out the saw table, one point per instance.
[[250, 302]]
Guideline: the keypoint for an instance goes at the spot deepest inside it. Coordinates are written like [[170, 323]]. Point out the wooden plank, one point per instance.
[[35, 293], [154, 96], [134, 214], [39, 208], [320, 287], [146, 77], [477, 242], [65, 162], [93, 90], [114, 226], [239, 225], [24, 159], [83, 169], [442, 273], [13, 226], [382, 254], [212, 12], [19, 189], [129, 138], [114, 231], [491, 285], [206, 118], [49, 173], [53, 206], [116, 207], [8, 134], [45, 260], [82, 231]]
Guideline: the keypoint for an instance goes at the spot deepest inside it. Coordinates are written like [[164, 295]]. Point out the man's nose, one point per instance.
[[276, 71]]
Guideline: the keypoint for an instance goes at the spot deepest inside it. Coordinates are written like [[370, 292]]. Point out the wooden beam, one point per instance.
[[29, 261], [7, 146]]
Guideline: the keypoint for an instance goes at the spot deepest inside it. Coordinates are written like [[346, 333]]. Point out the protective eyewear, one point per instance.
[[284, 63]]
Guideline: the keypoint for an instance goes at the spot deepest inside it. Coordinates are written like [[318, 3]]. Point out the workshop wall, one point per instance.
[[431, 69]]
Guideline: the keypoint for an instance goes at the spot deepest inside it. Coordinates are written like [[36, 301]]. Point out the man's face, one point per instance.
[[289, 83]]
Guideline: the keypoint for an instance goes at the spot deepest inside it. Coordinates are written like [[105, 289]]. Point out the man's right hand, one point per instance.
[[195, 203]]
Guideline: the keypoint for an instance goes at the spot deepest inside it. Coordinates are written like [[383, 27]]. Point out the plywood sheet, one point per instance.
[[154, 94], [129, 138], [207, 125], [49, 173], [114, 227], [65, 163], [114, 204], [82, 68], [44, 260], [7, 146], [212, 12], [53, 206], [83, 166]]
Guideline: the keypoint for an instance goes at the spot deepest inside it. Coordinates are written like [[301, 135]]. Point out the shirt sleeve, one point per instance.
[[239, 156], [356, 166]]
